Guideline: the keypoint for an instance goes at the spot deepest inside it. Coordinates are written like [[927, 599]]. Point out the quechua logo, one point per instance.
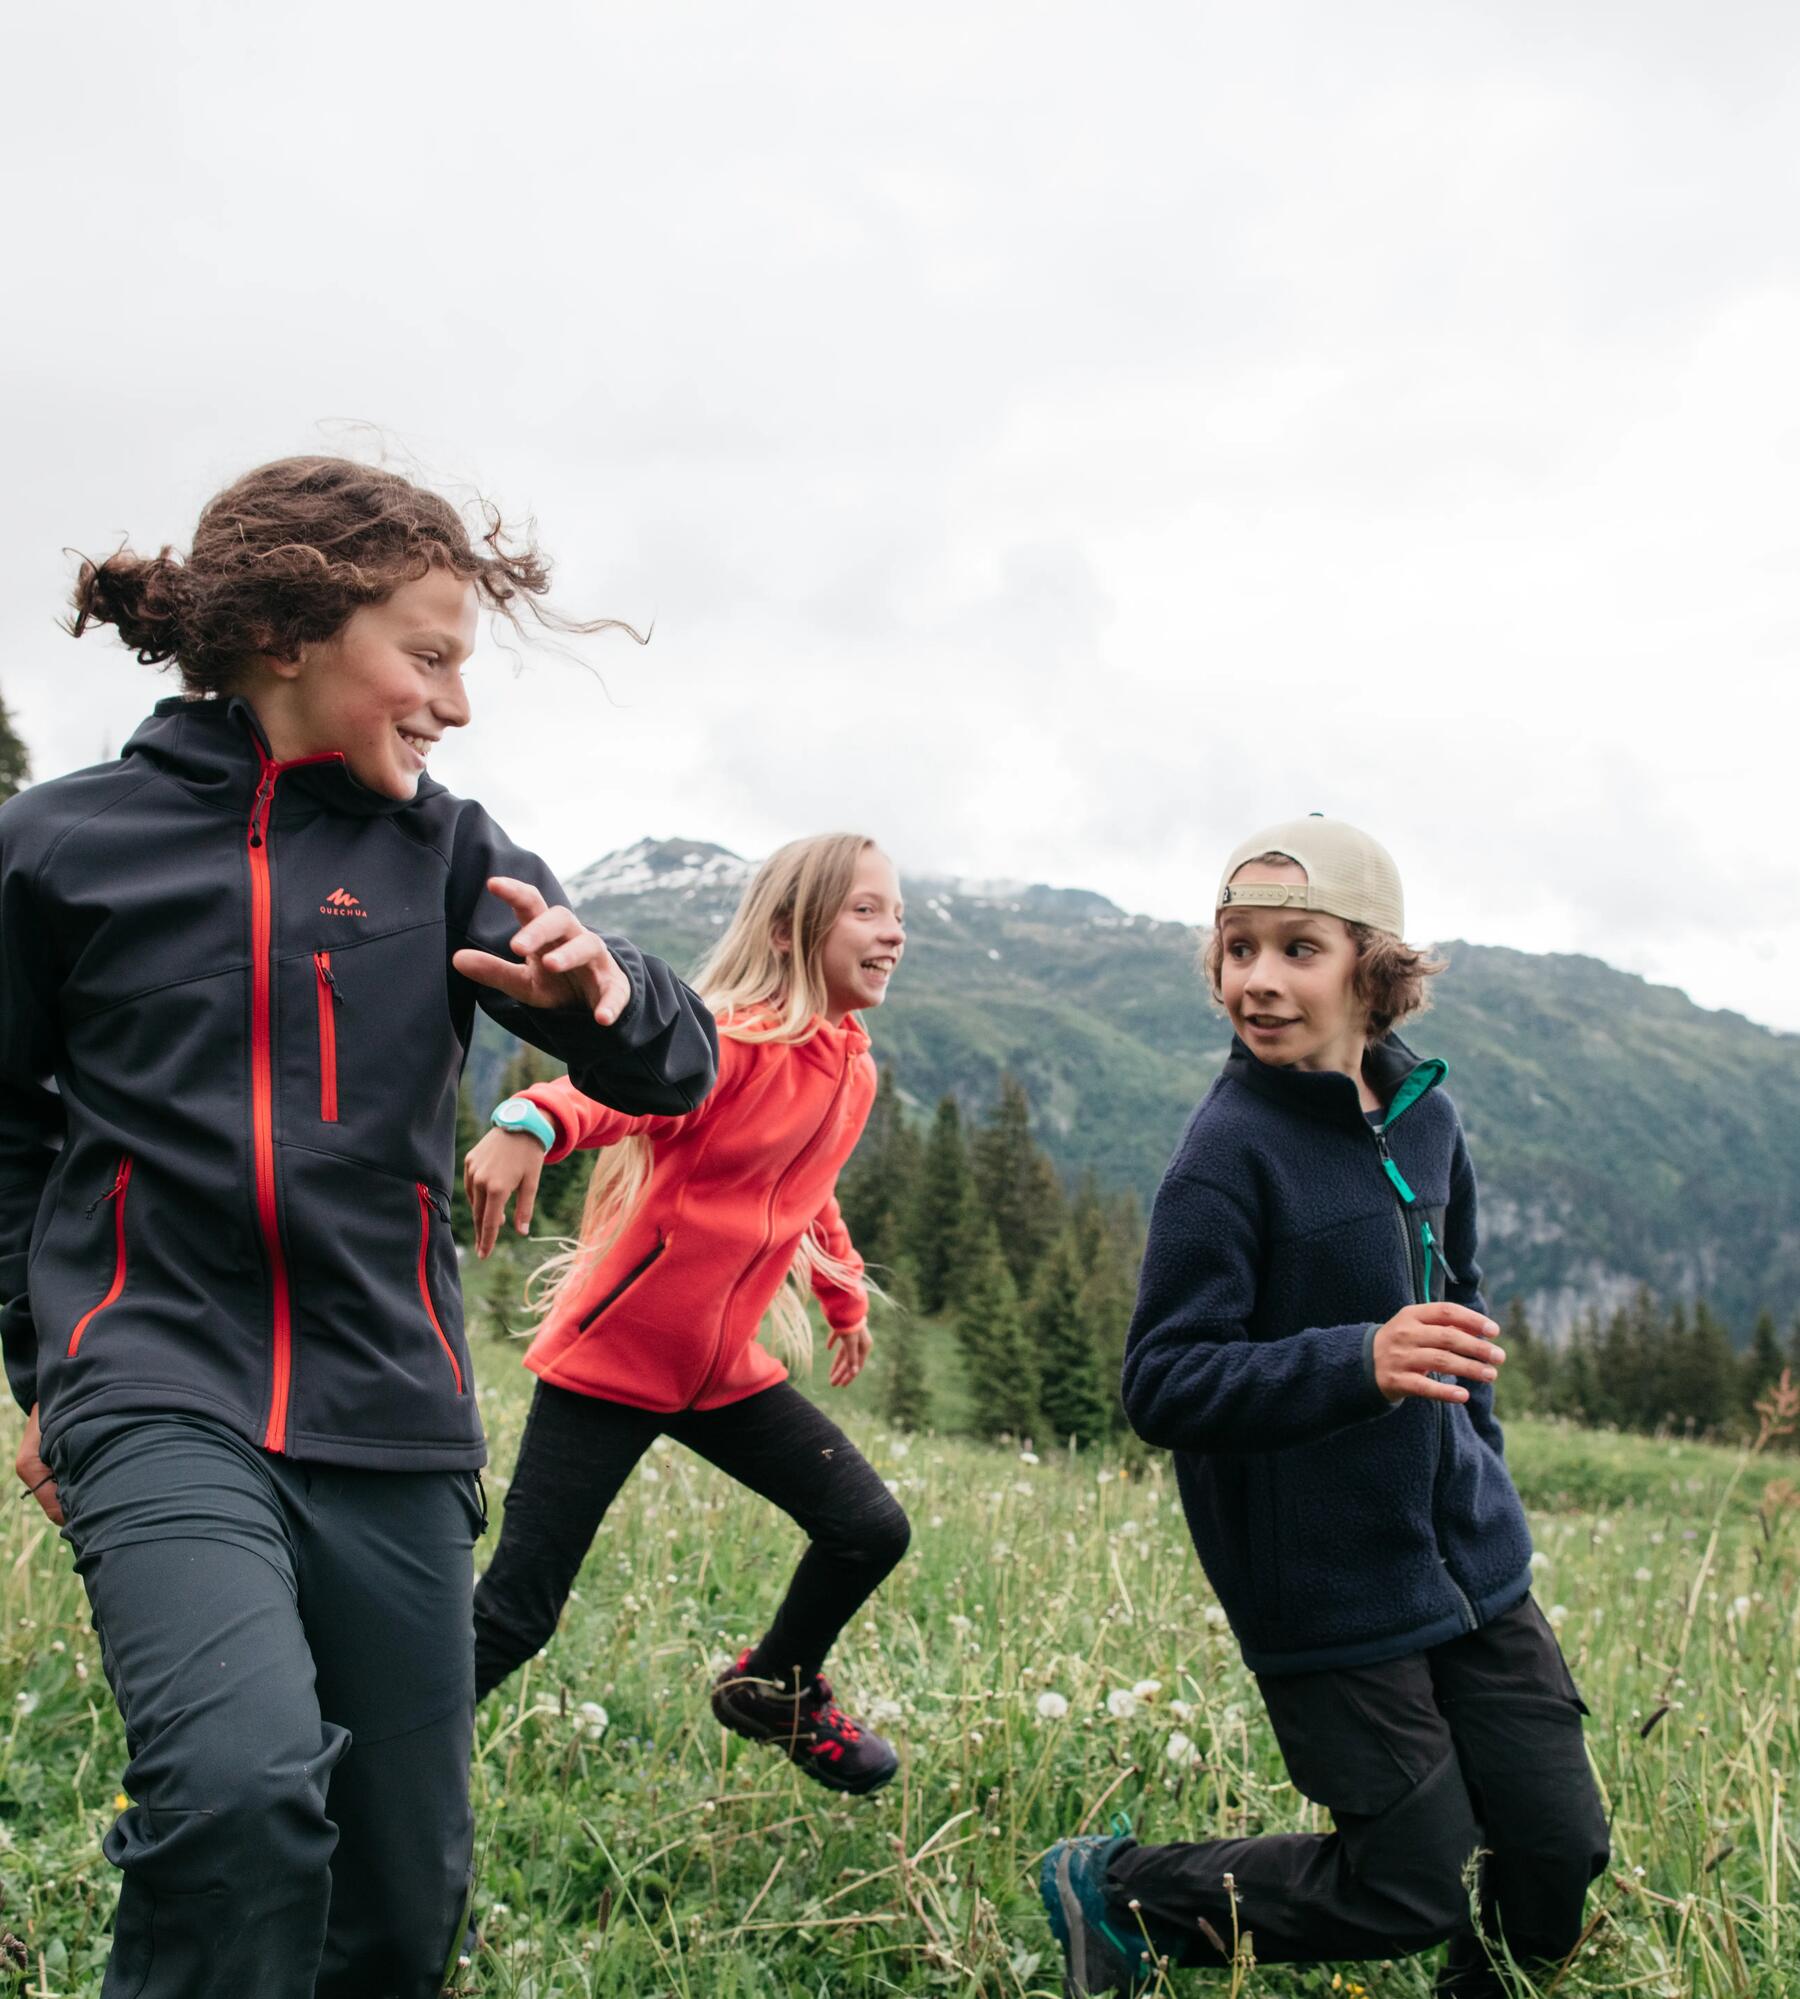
[[340, 902]]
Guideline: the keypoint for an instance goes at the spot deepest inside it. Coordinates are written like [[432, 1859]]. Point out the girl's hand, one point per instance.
[[852, 1349], [565, 963], [37, 1476], [500, 1166], [1426, 1340]]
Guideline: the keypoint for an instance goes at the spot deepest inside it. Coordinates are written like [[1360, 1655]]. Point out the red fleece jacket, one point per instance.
[[668, 1318]]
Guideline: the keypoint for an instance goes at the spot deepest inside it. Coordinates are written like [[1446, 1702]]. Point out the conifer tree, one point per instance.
[[1519, 1389], [876, 1190], [935, 1230], [1069, 1367], [906, 1395], [1016, 1183], [990, 1328], [15, 764], [1762, 1361], [1709, 1376]]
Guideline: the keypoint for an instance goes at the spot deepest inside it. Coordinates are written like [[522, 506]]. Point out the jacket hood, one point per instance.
[[216, 749]]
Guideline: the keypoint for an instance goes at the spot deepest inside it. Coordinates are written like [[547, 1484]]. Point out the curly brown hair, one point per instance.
[[285, 555], [1391, 975]]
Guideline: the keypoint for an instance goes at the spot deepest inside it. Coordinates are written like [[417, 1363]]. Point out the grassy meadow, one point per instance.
[[1048, 1655]]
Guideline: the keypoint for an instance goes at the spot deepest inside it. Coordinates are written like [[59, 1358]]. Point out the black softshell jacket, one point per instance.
[[230, 1041]]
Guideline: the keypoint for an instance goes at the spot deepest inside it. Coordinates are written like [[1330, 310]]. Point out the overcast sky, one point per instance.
[[1055, 439]]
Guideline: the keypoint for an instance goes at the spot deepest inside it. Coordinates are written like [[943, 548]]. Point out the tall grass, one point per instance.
[[627, 1846]]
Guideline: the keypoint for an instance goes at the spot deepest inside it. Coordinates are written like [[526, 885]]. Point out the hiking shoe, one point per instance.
[[837, 1751], [1099, 1954]]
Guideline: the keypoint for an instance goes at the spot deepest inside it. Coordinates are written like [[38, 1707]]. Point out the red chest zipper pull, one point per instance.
[[259, 812]]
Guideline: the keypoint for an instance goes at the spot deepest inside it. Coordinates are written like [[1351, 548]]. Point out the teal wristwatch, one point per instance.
[[521, 1114]]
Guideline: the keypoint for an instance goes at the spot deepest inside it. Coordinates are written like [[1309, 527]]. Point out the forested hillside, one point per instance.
[[1624, 1136]]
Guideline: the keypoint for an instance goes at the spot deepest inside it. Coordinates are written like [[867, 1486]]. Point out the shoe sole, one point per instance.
[[752, 1732], [1075, 1985]]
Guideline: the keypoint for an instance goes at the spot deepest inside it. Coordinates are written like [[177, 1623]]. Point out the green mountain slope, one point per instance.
[[1622, 1134]]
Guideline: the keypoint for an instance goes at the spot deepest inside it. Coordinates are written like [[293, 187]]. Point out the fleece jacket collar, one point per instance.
[[1391, 1069]]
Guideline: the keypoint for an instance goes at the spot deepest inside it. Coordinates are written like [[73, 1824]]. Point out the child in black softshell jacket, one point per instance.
[[238, 975], [1311, 1343]]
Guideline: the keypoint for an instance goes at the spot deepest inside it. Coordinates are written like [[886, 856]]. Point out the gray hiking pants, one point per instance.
[[291, 1648]]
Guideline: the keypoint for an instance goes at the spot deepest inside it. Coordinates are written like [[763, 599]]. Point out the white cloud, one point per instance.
[[1054, 443]]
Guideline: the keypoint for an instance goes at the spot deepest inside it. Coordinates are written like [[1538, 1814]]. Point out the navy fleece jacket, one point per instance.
[[1336, 1527]]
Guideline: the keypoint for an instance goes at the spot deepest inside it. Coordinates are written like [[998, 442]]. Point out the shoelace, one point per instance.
[[827, 1713]]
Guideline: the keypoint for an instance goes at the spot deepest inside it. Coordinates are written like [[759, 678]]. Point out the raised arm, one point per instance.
[[657, 1056]]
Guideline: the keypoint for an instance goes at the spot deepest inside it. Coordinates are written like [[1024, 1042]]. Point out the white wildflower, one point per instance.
[[1539, 1560], [1121, 1704], [1642, 1576], [591, 1719], [1558, 1613], [1147, 1690], [1180, 1751], [1052, 1706], [1028, 1458], [961, 1625], [27, 1702], [1741, 1605], [884, 1710], [1214, 1616]]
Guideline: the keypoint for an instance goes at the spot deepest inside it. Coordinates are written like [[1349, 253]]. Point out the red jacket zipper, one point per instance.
[[116, 1195], [262, 1089], [328, 1006], [427, 1207]]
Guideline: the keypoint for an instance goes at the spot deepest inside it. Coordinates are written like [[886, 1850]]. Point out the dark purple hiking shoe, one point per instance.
[[810, 1728]]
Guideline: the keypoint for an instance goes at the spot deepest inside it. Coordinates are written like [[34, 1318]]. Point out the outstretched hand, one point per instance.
[[564, 963]]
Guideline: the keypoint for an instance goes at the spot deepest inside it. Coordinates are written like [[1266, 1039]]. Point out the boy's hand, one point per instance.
[[565, 963], [500, 1166], [1435, 1339], [852, 1349], [38, 1479]]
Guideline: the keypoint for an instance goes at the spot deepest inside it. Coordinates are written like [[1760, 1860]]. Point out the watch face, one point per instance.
[[510, 1115]]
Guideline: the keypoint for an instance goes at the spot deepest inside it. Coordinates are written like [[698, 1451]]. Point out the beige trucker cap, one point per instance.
[[1347, 874]]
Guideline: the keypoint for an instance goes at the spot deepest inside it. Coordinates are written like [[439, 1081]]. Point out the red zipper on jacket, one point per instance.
[[427, 1207], [262, 1087], [786, 1174], [116, 1195], [328, 1006]]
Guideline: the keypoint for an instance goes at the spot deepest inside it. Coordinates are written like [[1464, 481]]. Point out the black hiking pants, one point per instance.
[[577, 1452], [289, 1646], [1473, 1748]]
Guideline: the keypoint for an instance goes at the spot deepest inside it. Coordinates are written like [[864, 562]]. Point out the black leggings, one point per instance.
[[579, 1450]]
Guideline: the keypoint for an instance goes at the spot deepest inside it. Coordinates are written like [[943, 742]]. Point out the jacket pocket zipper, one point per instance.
[[619, 1290], [116, 1195], [428, 1206], [330, 999]]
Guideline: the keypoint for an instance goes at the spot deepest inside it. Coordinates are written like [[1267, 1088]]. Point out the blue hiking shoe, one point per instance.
[[1099, 1954]]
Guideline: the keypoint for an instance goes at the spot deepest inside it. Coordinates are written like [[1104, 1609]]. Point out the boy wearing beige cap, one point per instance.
[[1311, 1343]]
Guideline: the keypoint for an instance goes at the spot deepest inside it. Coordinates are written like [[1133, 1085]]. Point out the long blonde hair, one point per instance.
[[764, 981]]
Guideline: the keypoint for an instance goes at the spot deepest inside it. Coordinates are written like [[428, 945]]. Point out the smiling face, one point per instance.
[[1287, 978], [862, 949], [381, 690]]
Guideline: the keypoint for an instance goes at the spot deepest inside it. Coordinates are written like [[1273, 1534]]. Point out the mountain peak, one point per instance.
[[662, 867]]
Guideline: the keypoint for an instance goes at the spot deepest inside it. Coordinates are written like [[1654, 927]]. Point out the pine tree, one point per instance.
[[1762, 1362], [935, 1228], [1016, 1183], [990, 1328], [1709, 1376], [906, 1395], [15, 764], [1071, 1395], [1519, 1389], [879, 1185]]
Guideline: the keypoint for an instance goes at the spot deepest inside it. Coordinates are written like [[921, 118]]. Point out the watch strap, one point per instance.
[[521, 1114]]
